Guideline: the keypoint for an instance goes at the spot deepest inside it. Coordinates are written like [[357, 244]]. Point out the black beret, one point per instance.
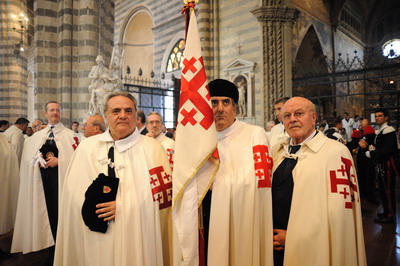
[[103, 189], [224, 88]]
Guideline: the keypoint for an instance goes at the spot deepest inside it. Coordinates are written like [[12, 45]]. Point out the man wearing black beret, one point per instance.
[[240, 221]]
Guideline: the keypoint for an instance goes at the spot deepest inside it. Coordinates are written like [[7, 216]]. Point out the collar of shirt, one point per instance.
[[228, 131], [56, 128], [307, 139], [123, 144]]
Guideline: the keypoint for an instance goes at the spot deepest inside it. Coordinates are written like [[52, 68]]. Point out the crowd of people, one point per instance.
[[287, 195]]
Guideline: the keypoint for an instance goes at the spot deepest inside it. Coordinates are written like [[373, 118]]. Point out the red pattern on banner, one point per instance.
[[190, 92], [262, 165], [345, 186], [161, 187]]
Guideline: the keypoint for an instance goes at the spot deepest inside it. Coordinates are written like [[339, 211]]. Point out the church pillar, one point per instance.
[[13, 70], [68, 36], [276, 20]]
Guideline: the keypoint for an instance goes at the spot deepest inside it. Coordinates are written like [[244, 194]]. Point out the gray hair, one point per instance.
[[155, 113], [119, 93]]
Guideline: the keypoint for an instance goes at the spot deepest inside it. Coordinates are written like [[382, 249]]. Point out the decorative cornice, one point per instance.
[[275, 13]]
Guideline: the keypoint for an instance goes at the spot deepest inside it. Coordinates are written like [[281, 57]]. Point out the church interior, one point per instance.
[[343, 55]]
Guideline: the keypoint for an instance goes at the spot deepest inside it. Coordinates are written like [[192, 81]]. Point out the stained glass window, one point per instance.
[[391, 49], [176, 56]]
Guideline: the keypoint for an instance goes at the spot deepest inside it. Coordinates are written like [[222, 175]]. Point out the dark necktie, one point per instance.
[[51, 136], [111, 171], [294, 148]]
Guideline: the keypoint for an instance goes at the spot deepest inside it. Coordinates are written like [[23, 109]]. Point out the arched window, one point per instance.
[[391, 49], [176, 56]]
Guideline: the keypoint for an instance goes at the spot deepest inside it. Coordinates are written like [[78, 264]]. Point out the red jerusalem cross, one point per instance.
[[190, 92], [188, 117], [346, 182], [161, 188], [262, 165], [189, 65]]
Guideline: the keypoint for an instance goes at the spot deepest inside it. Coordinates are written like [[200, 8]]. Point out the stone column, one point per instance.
[[13, 70], [68, 36], [277, 21]]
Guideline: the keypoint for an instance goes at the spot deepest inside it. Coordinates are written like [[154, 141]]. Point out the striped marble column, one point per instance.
[[13, 71]]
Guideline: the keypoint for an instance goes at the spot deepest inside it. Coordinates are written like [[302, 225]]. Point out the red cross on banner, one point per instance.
[[343, 181], [161, 187], [262, 165], [190, 92]]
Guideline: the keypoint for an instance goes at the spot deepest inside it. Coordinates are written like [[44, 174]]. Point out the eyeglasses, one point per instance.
[[157, 122], [297, 114]]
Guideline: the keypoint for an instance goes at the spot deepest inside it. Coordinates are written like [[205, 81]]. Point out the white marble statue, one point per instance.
[[103, 82]]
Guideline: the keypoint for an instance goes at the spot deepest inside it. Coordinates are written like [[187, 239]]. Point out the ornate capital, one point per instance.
[[275, 13]]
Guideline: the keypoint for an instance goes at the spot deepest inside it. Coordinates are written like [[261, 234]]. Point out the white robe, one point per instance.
[[325, 226], [348, 126], [9, 180], [169, 147], [277, 135], [241, 206], [16, 138], [140, 234], [32, 228]]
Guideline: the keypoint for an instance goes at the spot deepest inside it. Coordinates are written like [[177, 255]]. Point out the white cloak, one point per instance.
[[348, 126], [9, 180], [140, 234], [16, 138], [325, 226], [241, 204], [169, 147], [32, 228], [277, 135]]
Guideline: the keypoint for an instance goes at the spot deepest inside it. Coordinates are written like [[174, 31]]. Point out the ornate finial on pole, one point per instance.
[[188, 8]]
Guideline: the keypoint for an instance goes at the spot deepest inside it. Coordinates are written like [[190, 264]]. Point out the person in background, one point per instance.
[[4, 125], [36, 125], [94, 125], [28, 132], [154, 128], [15, 135], [278, 133], [43, 167], [141, 122], [334, 131], [382, 153], [75, 129], [347, 122]]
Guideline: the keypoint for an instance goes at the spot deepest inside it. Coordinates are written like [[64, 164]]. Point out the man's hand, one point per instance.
[[106, 210], [150, 134], [52, 162], [363, 144], [279, 239]]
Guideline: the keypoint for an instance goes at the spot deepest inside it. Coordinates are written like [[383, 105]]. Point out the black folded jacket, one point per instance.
[[48, 151], [103, 189]]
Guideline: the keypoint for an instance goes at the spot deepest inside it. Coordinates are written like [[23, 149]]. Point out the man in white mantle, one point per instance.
[[41, 180], [154, 128], [137, 232], [316, 201], [240, 222]]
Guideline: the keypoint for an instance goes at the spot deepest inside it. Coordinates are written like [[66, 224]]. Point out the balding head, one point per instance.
[[94, 125], [299, 117]]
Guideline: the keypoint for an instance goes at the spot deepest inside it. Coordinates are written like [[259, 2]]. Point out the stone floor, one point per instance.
[[382, 243]]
